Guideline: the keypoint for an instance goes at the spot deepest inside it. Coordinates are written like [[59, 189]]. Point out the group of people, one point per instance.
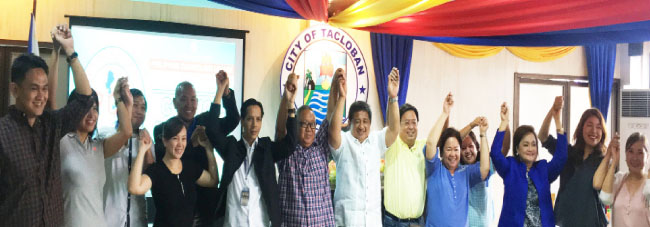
[[55, 172]]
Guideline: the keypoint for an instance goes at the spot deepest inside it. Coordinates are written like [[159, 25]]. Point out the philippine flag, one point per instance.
[[32, 47]]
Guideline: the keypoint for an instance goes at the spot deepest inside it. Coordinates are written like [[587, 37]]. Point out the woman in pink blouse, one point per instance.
[[627, 192]]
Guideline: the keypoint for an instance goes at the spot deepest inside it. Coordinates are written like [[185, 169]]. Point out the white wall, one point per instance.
[[478, 85]]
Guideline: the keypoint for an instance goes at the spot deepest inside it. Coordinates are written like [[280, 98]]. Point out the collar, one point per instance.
[[248, 146], [21, 116]]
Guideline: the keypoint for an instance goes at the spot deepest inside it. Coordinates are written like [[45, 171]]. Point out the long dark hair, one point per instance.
[[520, 133], [579, 140]]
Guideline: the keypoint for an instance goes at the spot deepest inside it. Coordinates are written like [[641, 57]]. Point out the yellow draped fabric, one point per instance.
[[540, 54], [535, 54], [469, 51], [366, 13]]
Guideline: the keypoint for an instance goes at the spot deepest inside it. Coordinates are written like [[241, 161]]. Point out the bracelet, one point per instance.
[[482, 135], [392, 100], [71, 57]]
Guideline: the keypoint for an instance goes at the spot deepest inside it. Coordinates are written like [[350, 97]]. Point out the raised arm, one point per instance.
[[290, 88], [124, 102], [392, 113], [501, 164], [64, 37], [436, 130], [53, 74], [338, 105], [602, 170], [557, 107], [284, 145], [506, 142], [468, 128], [615, 149], [140, 183], [209, 178], [560, 156], [485, 152]]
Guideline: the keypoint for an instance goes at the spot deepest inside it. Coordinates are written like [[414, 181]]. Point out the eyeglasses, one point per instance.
[[309, 125]]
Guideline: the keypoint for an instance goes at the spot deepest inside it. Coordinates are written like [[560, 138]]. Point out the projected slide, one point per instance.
[[155, 63]]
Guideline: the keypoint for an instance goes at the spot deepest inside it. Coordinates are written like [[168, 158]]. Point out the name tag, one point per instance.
[[245, 195]]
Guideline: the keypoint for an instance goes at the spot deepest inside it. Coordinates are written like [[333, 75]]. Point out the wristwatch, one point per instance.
[[291, 111], [71, 57]]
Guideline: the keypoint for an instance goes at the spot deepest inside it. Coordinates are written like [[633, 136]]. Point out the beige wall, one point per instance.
[[479, 85]]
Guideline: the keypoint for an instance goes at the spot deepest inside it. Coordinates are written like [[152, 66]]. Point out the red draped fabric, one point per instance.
[[464, 18], [310, 9]]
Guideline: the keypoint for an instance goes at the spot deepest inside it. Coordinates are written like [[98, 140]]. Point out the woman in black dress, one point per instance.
[[173, 181]]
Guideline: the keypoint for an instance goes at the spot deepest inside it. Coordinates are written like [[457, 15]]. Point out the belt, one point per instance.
[[402, 219]]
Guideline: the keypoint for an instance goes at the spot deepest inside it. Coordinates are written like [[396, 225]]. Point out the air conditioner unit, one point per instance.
[[635, 117]]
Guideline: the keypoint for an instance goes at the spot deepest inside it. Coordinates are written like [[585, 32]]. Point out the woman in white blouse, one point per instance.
[[628, 193]]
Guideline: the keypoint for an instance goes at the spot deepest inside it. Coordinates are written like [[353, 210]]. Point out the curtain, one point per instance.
[[310, 9], [269, 7], [390, 51], [479, 18], [601, 60], [373, 12]]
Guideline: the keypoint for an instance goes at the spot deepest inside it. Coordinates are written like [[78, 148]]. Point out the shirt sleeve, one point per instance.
[[380, 139], [152, 172], [196, 171], [474, 174], [430, 165], [606, 198], [336, 153], [501, 163], [559, 158], [322, 136], [550, 144]]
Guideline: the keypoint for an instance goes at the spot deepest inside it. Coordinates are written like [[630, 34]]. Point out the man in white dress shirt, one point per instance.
[[121, 208], [357, 153]]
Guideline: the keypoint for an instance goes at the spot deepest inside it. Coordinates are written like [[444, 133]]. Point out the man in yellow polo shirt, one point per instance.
[[404, 180]]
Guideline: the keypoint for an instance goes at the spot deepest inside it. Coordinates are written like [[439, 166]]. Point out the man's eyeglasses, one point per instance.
[[309, 125]]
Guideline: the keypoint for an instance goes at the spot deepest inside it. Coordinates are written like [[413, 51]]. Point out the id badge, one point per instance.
[[245, 195]]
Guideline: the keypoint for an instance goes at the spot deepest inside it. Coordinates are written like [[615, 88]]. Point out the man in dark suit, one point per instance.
[[248, 193], [185, 102]]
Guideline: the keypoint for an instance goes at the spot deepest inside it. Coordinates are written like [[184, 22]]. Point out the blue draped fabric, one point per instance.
[[601, 60], [619, 33], [390, 51], [269, 7]]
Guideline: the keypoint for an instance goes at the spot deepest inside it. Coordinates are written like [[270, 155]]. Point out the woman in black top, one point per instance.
[[577, 202], [173, 181]]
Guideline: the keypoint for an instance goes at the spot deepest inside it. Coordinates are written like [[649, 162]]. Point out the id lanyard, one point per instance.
[[245, 193], [128, 198]]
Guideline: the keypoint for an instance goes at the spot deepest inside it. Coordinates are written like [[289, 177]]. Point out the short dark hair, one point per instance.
[[23, 63], [636, 137], [520, 133], [248, 103], [137, 93], [172, 127], [359, 106], [407, 107], [74, 96], [446, 134], [472, 136]]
